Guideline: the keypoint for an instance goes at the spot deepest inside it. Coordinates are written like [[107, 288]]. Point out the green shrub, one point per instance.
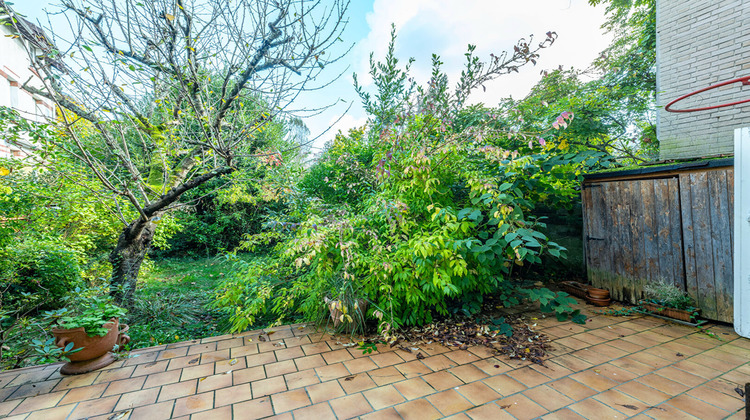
[[44, 270]]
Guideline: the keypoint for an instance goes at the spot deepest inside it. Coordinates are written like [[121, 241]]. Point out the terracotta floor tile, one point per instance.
[[201, 348], [137, 399], [350, 406], [217, 413], [172, 353], [269, 386], [193, 372], [439, 362], [325, 391], [8, 406], [547, 397], [564, 414], [159, 379], [231, 364], [572, 343], [296, 341], [290, 400], [246, 350], [622, 402], [651, 360], [449, 402], [461, 357], [719, 399], [93, 408], [572, 388], [504, 385], [180, 389], [478, 393], [331, 372], [289, 353], [663, 384], [114, 374], [150, 368], [386, 359], [231, 343], [593, 409], [253, 409], [318, 411], [385, 376], [697, 369], [681, 376], [82, 394], [337, 356], [482, 352], [75, 381], [213, 382], [315, 348], [232, 394], [382, 397], [571, 362], [588, 338], [626, 346], [183, 362], [160, 411], [360, 365], [309, 362], [32, 390], [520, 407], [594, 380], [301, 379], [60, 412], [433, 349], [193, 404], [697, 408], [260, 359], [528, 376], [414, 388], [492, 366], [356, 383], [668, 412], [489, 411], [419, 409], [248, 375], [124, 385], [442, 380], [280, 368], [468, 373], [386, 414], [552, 370], [38, 403]]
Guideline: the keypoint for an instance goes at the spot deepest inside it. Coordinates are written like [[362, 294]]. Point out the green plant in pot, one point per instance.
[[668, 300], [88, 328]]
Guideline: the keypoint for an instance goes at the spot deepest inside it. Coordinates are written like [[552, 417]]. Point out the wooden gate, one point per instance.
[[674, 227]]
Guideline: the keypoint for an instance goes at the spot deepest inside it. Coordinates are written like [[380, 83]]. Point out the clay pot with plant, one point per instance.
[[668, 300], [88, 330]]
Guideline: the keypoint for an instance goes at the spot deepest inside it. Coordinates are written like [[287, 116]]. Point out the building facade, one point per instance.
[[700, 43], [15, 71]]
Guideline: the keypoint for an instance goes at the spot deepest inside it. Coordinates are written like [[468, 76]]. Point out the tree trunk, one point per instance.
[[132, 246]]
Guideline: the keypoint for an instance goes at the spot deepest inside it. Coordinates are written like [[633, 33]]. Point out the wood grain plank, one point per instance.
[[663, 234], [675, 222], [650, 247], [688, 236], [637, 229], [721, 226], [625, 216], [704, 263]]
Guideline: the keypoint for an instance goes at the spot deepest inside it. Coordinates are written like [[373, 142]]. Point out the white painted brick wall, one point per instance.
[[699, 43]]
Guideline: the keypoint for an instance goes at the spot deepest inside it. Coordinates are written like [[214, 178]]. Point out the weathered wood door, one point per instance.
[[676, 229]]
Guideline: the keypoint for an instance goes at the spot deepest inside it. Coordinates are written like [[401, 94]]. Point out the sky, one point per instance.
[[445, 28]]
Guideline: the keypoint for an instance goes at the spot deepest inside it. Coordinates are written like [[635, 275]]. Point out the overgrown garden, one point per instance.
[[197, 209]]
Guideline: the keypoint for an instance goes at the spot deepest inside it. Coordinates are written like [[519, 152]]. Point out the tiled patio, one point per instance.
[[613, 367]]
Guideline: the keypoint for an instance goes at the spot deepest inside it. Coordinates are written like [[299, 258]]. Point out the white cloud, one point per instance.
[[446, 27]]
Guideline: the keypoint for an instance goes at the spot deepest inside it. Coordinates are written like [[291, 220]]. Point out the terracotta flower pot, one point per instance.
[[599, 302], [575, 288], [96, 352], [598, 293]]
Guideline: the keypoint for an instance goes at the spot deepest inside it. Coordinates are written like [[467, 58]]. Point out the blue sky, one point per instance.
[[445, 27]]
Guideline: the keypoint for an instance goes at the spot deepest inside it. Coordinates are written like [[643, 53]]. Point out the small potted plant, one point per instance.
[[668, 300], [88, 329]]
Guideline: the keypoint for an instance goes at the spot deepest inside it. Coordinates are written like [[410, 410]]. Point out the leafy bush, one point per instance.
[[44, 270]]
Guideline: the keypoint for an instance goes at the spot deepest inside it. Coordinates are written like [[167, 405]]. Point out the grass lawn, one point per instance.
[[172, 301]]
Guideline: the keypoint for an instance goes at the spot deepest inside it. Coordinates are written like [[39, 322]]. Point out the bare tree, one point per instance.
[[174, 93]]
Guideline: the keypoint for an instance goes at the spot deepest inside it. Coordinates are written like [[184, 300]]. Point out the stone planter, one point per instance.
[[97, 351]]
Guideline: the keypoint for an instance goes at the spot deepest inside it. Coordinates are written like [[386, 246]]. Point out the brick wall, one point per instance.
[[700, 43]]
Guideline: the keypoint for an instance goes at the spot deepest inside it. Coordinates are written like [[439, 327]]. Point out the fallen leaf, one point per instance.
[[261, 338], [497, 366], [270, 332], [118, 415], [505, 406], [680, 355], [227, 372], [202, 379], [629, 406], [194, 361], [740, 391], [350, 378], [232, 362], [420, 356]]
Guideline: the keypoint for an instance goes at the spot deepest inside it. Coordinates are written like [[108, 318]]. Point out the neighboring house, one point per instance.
[[15, 71], [675, 222]]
